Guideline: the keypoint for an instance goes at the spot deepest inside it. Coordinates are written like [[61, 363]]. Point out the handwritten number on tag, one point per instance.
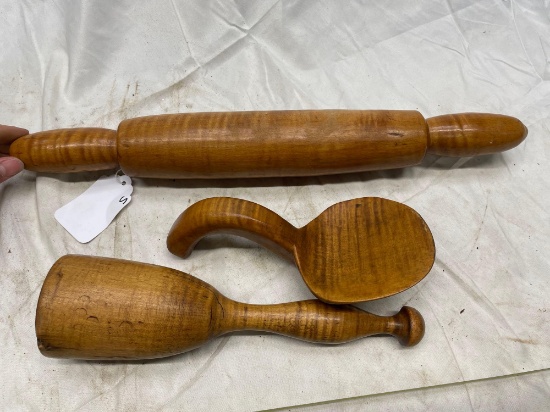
[[90, 213]]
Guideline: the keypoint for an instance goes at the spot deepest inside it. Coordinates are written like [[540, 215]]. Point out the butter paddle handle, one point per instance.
[[233, 216]]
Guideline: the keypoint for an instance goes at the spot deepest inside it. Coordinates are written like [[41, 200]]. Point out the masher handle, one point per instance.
[[319, 322]]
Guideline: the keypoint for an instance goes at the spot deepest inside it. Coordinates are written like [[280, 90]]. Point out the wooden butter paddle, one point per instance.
[[101, 308], [357, 250], [265, 144]]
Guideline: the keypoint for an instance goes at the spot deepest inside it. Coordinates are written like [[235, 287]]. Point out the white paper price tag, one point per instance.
[[90, 213]]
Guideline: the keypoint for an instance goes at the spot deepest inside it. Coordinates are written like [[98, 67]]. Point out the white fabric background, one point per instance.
[[70, 63]]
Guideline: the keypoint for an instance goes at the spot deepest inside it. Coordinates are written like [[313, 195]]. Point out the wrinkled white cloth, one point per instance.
[[485, 302]]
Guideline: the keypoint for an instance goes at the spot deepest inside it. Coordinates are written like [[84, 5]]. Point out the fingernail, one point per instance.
[[10, 166]]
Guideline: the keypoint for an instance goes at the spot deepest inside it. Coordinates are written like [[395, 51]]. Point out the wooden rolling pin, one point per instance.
[[101, 308], [265, 144]]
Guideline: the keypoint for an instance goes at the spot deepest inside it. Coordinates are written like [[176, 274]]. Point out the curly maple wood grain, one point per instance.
[[473, 134], [235, 217], [67, 150], [264, 144], [102, 308], [357, 250]]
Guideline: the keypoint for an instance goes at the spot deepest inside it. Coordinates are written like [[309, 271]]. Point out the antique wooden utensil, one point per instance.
[[354, 251], [263, 144], [101, 308]]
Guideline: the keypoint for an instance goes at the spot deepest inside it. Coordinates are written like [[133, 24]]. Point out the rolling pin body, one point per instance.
[[267, 144], [100, 308], [263, 144]]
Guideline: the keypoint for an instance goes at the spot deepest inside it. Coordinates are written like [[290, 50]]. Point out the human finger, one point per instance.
[[9, 133], [9, 166]]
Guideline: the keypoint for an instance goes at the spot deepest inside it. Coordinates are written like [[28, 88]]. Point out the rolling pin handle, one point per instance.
[[83, 149], [473, 134]]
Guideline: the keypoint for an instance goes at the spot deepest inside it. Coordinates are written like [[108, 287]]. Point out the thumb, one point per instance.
[[9, 166]]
